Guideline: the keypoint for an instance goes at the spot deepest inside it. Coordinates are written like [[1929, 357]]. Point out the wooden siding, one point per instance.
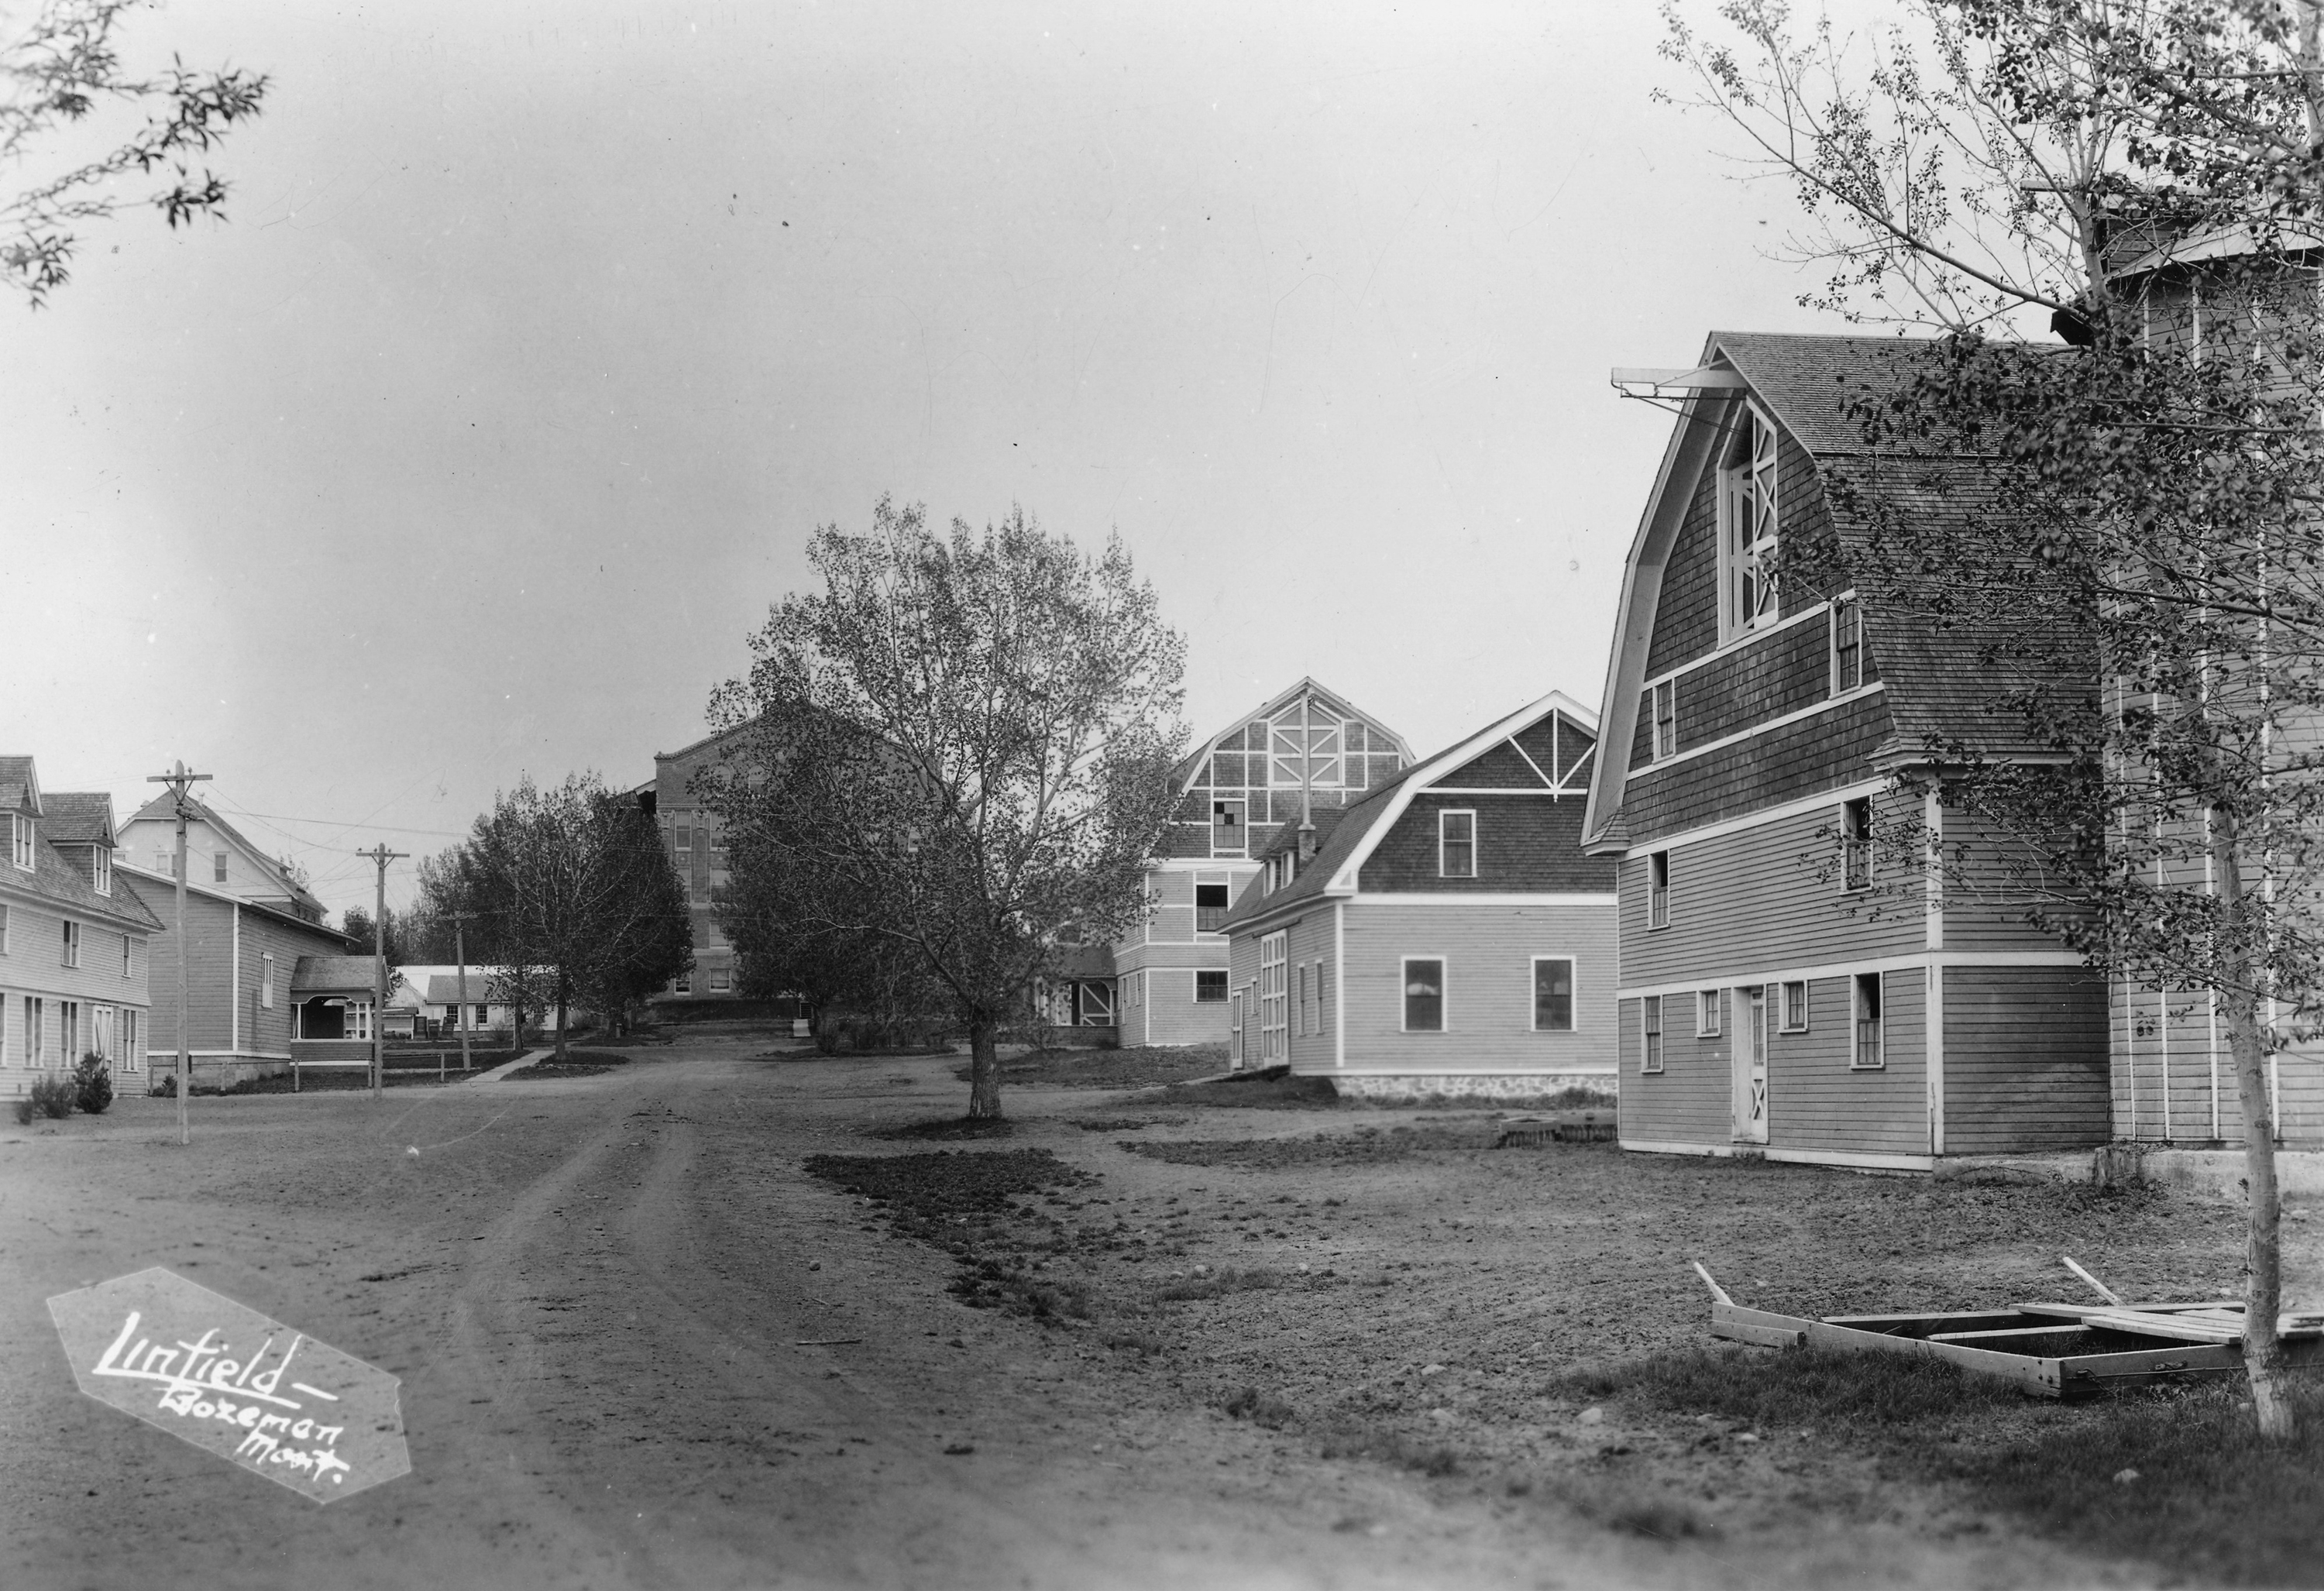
[[1817, 1100], [2172, 1078], [1753, 900], [1308, 943], [2026, 1060], [1993, 883], [1689, 1100], [1488, 954], [1497, 766], [1686, 609], [1819, 752], [34, 965], [1525, 844]]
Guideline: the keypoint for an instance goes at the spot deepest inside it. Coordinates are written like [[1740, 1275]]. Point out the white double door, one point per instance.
[[1748, 1004]]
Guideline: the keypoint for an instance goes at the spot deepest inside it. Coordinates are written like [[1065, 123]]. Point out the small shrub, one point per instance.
[[52, 1097], [24, 1113], [93, 1084], [1259, 1408]]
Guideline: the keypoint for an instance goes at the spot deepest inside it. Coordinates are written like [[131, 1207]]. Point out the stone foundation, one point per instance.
[[1455, 1087], [210, 1072]]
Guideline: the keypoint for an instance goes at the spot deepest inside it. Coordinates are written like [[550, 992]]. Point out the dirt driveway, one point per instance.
[[595, 1292]]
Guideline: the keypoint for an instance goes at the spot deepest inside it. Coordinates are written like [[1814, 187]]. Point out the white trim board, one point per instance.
[[1728, 976], [1452, 898], [1837, 795], [1846, 1159], [1738, 643]]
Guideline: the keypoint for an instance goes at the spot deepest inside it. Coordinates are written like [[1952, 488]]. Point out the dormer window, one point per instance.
[[100, 870], [1747, 528], [21, 834]]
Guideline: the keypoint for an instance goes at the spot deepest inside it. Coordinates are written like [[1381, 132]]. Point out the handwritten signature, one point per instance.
[[196, 1378]]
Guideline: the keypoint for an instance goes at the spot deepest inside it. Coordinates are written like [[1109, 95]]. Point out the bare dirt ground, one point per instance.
[[595, 1291]]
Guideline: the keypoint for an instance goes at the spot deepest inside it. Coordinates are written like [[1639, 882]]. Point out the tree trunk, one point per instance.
[[564, 1004], [2263, 1250], [984, 1071]]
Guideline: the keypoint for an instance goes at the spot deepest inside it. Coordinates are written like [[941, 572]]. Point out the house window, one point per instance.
[[133, 1052], [1706, 1013], [1318, 1025], [682, 984], [1663, 700], [35, 1039], [21, 828], [1867, 1051], [128, 968], [1747, 528], [100, 1032], [1456, 844], [1658, 889], [4, 939], [100, 870], [1423, 994], [1847, 646], [1307, 1011], [1273, 1019], [1856, 844], [217, 867], [163, 865], [719, 980], [1650, 1024], [358, 1020], [482, 1016], [266, 980], [1210, 989], [1209, 907], [72, 944], [1228, 836], [1553, 994], [1795, 1008], [719, 857]]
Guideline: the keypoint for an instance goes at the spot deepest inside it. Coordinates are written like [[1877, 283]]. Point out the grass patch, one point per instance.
[[1364, 1147], [1216, 1284], [2174, 1475], [1273, 1089], [1134, 1068], [950, 1130], [1388, 1444], [577, 1064], [1261, 1409]]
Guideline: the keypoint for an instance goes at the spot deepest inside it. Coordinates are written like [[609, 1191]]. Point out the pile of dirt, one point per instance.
[[949, 1129], [1365, 1146]]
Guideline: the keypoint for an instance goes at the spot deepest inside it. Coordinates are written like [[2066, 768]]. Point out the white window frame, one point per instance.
[[1657, 890], [1650, 1035], [266, 980], [100, 1032], [69, 1033], [3, 929], [1855, 846], [1876, 1049], [133, 1041], [357, 1022], [1663, 724], [1301, 1028], [72, 943], [35, 1022], [1784, 994], [217, 867], [682, 984], [100, 870], [128, 956], [1706, 1013], [1748, 523], [1228, 889], [1572, 993], [1445, 841], [1226, 981], [1322, 1006], [1847, 613], [1443, 993], [21, 841], [1242, 825], [1274, 1020]]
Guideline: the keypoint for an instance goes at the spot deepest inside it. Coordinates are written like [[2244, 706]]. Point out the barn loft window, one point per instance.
[[1747, 528], [1456, 844], [1665, 719], [21, 837], [100, 870], [1847, 646]]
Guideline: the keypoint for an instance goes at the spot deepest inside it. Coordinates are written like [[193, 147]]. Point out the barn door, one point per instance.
[[1750, 1112]]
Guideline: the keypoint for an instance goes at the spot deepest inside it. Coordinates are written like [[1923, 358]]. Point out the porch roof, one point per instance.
[[317, 975]]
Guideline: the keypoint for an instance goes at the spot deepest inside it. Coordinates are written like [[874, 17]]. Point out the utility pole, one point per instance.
[[178, 778], [383, 856], [460, 960]]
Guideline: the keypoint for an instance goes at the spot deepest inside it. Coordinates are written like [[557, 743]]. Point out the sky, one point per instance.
[[542, 334]]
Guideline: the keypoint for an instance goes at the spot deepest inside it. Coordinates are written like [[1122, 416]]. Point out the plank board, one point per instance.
[[2213, 1325]]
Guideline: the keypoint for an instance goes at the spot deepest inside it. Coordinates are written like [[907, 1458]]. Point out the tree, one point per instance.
[[2125, 533], [573, 899], [960, 746], [60, 68]]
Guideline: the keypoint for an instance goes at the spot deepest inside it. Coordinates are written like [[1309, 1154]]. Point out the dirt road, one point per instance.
[[595, 1292]]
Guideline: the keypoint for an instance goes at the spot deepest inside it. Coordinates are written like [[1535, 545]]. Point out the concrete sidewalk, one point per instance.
[[505, 1067]]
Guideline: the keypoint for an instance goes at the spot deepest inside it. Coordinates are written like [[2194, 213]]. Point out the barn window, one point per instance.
[[1665, 697], [1706, 1013], [1423, 994], [1847, 646], [1456, 844], [1553, 994], [1747, 528], [1658, 889], [1210, 989], [1856, 844], [1868, 1049], [1650, 1023], [1795, 1008]]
